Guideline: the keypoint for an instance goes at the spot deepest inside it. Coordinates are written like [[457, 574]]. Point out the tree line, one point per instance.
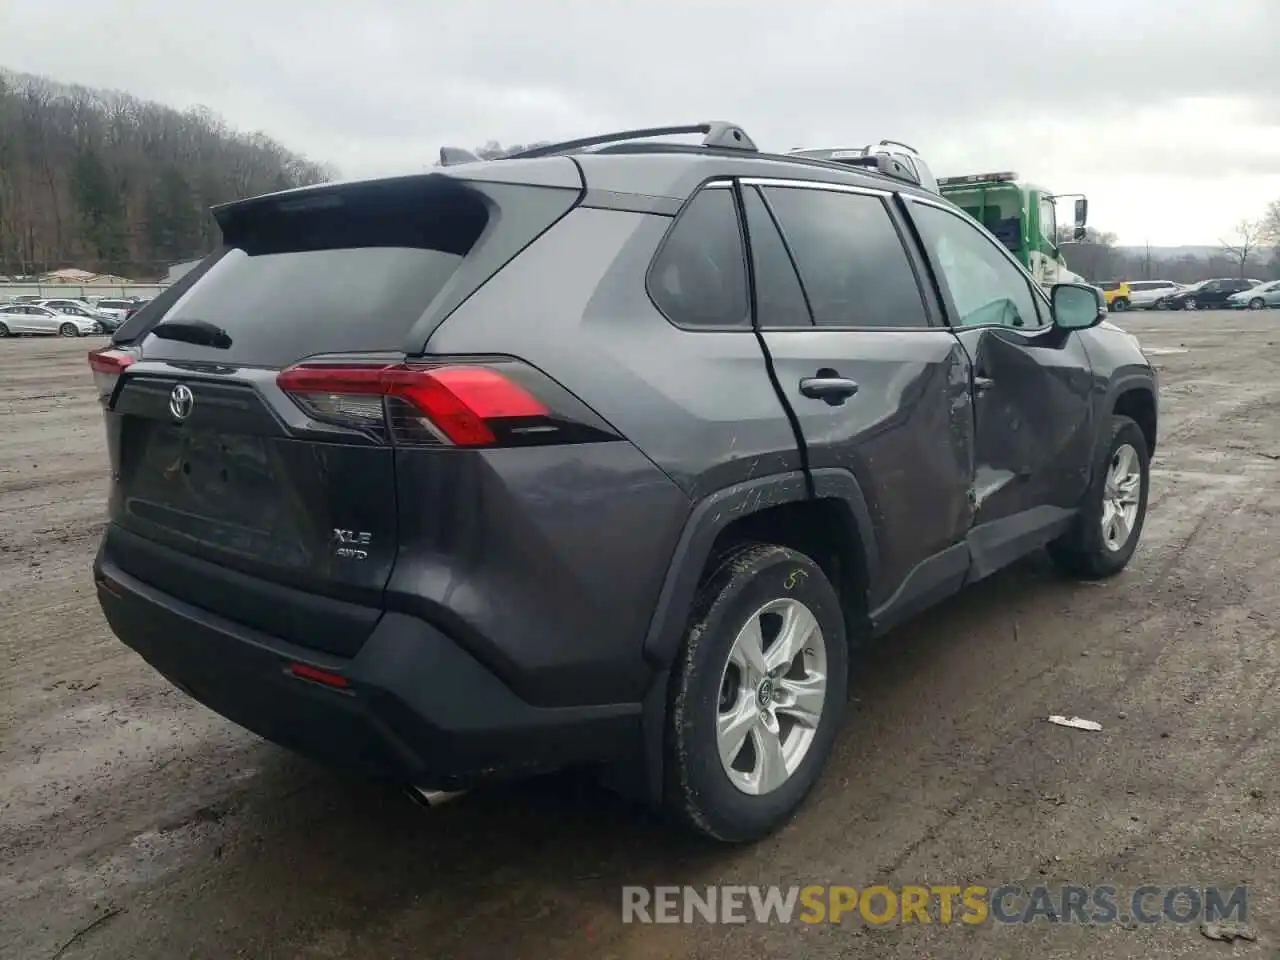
[[1251, 250], [109, 183]]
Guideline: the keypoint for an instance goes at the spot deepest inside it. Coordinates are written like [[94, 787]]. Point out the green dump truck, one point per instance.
[[1023, 217]]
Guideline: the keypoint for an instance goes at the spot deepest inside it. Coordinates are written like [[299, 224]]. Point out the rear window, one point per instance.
[[279, 307], [348, 269]]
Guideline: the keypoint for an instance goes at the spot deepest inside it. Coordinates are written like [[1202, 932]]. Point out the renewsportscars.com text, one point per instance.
[[935, 904]]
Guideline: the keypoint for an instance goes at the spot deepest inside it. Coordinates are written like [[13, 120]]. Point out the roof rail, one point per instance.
[[452, 155], [718, 133], [899, 143], [882, 163]]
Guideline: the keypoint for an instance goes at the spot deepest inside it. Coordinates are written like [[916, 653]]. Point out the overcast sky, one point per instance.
[[1165, 112]]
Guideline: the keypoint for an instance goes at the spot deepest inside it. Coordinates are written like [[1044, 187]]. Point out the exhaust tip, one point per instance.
[[433, 798]]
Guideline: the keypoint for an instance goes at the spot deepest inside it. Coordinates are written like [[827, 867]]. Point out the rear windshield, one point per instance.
[[277, 308], [340, 271]]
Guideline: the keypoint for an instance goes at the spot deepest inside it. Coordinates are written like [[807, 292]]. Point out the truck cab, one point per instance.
[[1021, 215]]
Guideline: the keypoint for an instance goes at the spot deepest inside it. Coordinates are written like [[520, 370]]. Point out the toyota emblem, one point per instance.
[[181, 401]]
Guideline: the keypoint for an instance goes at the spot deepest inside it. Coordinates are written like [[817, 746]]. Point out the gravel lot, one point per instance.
[[122, 801]]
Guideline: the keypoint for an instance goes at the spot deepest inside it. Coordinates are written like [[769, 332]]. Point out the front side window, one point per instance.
[[853, 267], [699, 278], [985, 287]]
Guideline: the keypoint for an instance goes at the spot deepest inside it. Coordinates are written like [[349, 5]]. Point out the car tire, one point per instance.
[[1093, 548], [4, 330], [1191, 304], [1120, 305], [733, 800], [1257, 303], [68, 330]]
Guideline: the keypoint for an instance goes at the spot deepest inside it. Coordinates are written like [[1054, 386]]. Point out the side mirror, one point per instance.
[[1076, 306], [1082, 211]]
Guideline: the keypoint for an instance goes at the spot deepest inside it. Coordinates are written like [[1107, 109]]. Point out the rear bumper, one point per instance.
[[418, 710]]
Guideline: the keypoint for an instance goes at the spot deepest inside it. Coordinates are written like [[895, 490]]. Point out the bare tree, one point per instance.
[[1243, 243], [1271, 224]]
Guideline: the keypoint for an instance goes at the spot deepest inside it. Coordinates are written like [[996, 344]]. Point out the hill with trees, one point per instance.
[[104, 181]]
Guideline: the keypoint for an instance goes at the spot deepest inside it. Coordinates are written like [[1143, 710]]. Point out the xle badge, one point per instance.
[[350, 544]]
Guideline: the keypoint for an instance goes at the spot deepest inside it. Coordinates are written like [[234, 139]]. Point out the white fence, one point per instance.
[[78, 291]]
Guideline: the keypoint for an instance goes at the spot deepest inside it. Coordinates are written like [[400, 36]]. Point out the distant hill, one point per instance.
[[1172, 253], [105, 182]]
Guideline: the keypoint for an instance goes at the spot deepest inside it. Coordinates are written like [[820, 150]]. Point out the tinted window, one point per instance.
[[851, 260], [779, 299], [699, 277], [985, 286], [280, 307]]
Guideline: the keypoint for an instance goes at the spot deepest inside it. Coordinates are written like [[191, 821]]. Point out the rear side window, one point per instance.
[[779, 299], [699, 277], [850, 258]]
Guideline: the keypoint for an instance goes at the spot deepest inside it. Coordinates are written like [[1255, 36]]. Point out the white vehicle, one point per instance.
[[74, 308], [116, 308], [1144, 294], [33, 318]]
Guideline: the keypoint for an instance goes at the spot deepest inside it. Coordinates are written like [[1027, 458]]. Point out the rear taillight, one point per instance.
[[107, 363], [503, 403]]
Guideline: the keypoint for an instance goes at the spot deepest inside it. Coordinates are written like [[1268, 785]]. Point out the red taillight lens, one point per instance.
[[328, 678], [455, 403], [107, 363]]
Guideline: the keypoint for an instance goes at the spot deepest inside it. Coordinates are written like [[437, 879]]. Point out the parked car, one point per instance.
[[80, 308], [1209, 294], [32, 318], [1256, 298], [515, 465], [1146, 294], [1117, 294], [116, 309]]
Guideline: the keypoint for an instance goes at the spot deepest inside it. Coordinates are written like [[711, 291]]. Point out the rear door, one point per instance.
[[1032, 387], [42, 320], [878, 388], [215, 461]]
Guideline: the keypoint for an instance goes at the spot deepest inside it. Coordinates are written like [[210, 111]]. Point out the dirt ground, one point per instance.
[[123, 802]]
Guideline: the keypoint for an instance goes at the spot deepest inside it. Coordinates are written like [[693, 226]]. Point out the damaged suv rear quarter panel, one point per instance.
[[697, 407]]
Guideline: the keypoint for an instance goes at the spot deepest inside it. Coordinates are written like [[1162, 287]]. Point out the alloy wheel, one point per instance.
[[771, 696]]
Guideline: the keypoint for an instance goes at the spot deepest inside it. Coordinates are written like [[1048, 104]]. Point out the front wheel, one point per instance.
[[1120, 305], [1191, 303], [68, 330], [757, 694], [1257, 303], [1106, 532]]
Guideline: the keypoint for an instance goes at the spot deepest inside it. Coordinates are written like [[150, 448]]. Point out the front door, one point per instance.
[[1031, 383], [878, 386]]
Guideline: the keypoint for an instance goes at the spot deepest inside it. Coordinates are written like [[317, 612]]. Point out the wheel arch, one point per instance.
[[834, 522], [1137, 401]]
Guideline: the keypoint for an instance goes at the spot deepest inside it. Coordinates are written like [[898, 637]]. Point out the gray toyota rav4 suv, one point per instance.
[[609, 453]]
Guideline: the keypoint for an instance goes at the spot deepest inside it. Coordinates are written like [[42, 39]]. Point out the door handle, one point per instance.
[[833, 390], [982, 383]]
